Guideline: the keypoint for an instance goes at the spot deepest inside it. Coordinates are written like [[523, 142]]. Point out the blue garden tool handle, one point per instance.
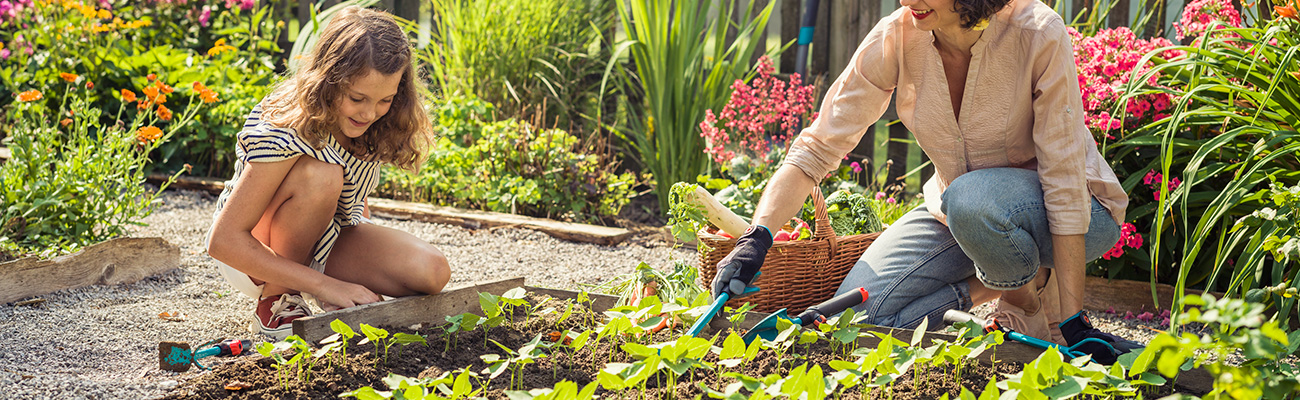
[[954, 316], [717, 306]]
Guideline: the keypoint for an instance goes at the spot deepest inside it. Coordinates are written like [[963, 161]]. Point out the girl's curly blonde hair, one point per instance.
[[356, 41]]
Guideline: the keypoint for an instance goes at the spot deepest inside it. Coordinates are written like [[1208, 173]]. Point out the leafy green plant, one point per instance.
[[383, 341], [342, 335], [401, 387], [274, 350], [511, 166], [684, 65], [1234, 327], [76, 181]]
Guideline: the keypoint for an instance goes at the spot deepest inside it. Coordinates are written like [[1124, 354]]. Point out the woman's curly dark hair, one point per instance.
[[974, 11]]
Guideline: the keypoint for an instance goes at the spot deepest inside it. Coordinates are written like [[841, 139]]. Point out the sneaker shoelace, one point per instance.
[[289, 306]]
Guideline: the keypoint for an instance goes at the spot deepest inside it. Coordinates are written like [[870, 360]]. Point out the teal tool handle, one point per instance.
[[717, 306], [207, 352], [952, 316]]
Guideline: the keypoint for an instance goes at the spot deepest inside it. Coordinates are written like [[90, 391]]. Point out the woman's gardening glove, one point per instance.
[[1104, 347], [737, 270]]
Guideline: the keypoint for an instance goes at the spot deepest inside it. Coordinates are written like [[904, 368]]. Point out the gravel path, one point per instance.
[[100, 342]]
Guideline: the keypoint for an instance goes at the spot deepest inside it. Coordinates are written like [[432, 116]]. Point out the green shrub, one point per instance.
[[232, 49], [510, 166], [73, 182]]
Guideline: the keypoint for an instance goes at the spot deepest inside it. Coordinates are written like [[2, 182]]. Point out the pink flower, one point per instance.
[[856, 167], [891, 200], [880, 195], [206, 17], [758, 114], [4, 54], [247, 4], [1199, 15]]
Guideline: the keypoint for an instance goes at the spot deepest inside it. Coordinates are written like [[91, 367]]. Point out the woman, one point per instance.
[[1021, 198]]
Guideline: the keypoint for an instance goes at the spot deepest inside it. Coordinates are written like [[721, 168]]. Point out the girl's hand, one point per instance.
[[336, 294]]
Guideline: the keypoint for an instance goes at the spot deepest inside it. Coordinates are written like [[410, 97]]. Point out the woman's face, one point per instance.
[[931, 15], [365, 101]]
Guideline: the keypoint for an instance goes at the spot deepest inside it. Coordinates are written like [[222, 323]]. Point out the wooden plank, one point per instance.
[[790, 14], [116, 261], [819, 51], [4, 154], [1129, 296], [403, 311], [602, 235], [844, 20], [1118, 16]]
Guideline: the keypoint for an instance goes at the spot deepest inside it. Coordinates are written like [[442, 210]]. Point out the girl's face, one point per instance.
[[365, 101], [931, 15]]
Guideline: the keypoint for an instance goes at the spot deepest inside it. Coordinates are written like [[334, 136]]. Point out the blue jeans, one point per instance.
[[997, 230]]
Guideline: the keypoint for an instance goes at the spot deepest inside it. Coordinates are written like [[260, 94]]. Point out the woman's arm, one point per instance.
[[1068, 255], [782, 198]]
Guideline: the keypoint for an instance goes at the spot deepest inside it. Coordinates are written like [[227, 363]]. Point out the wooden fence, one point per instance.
[[841, 26]]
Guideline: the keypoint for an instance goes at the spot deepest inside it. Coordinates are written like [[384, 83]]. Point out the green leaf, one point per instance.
[[406, 338], [732, 347], [342, 328]]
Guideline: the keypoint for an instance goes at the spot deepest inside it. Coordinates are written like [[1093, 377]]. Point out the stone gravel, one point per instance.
[[100, 342]]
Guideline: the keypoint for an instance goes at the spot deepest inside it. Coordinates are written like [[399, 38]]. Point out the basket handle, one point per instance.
[[823, 220]]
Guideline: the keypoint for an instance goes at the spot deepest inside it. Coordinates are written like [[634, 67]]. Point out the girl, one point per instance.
[[293, 220]]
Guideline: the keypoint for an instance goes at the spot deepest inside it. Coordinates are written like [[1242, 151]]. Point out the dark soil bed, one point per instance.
[[333, 375]]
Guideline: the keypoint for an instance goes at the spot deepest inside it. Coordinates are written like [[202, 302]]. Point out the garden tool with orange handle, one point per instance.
[[178, 356], [767, 329], [959, 316]]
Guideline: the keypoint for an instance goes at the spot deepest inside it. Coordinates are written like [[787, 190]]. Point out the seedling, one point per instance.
[[342, 335], [564, 390]]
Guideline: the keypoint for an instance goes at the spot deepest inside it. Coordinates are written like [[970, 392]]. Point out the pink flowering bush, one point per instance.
[[1200, 15], [1106, 62], [10, 10], [1128, 237], [1152, 180], [762, 113]]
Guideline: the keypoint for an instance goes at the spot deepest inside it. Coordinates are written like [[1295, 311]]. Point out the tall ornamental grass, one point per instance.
[[683, 65], [1229, 137], [521, 55]]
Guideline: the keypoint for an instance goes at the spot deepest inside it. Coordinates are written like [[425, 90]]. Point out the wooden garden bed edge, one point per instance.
[[115, 261]]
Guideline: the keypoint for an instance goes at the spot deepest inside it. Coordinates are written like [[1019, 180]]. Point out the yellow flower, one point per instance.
[[98, 28], [220, 47], [88, 11], [30, 95], [104, 14]]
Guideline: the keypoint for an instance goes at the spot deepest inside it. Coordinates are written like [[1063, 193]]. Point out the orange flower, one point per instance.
[[128, 96], [143, 105], [30, 95], [198, 86], [164, 113], [208, 96], [148, 133], [163, 86], [150, 92], [66, 122], [68, 77], [151, 77], [90, 85], [1287, 12]]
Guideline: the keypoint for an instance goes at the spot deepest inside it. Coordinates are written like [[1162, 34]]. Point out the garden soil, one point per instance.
[[100, 342], [259, 379]]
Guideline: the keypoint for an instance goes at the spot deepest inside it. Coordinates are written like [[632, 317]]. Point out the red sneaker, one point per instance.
[[275, 314]]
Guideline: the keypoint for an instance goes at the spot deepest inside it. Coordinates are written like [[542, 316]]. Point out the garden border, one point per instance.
[[420, 310], [474, 219], [111, 262]]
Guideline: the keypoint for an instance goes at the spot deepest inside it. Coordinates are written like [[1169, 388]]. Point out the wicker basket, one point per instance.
[[796, 274]]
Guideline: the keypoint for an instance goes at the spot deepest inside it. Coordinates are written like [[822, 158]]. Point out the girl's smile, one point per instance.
[[365, 100]]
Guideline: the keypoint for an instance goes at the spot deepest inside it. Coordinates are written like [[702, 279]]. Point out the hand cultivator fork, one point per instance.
[[958, 316]]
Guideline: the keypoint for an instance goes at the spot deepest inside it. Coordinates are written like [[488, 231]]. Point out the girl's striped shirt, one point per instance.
[[259, 141]]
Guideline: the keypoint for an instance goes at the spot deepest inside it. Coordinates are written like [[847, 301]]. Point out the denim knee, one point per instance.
[[993, 214]]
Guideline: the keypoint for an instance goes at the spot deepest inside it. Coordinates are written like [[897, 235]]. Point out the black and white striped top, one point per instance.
[[259, 141]]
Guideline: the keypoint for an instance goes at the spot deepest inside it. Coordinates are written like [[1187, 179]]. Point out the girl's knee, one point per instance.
[[312, 176], [434, 270]]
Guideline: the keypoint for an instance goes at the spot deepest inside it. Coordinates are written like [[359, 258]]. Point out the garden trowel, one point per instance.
[[178, 356], [766, 328], [957, 316], [717, 306]]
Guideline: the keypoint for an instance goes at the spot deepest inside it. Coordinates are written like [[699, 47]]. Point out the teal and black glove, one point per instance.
[[1105, 348], [737, 270]]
